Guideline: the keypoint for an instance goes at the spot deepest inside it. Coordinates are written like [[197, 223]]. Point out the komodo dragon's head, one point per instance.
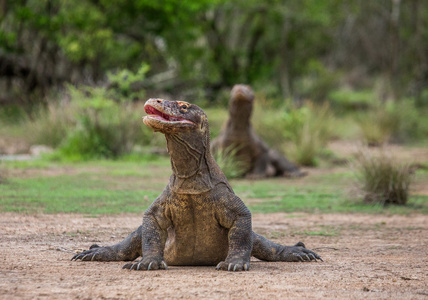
[[186, 130], [174, 117], [241, 102], [242, 93]]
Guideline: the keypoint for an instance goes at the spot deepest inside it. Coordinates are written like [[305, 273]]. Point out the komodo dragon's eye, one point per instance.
[[183, 106]]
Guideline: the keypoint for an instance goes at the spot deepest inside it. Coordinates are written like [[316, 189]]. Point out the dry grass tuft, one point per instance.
[[384, 179]]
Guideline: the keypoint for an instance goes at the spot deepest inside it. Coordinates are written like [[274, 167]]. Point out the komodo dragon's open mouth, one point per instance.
[[163, 117]]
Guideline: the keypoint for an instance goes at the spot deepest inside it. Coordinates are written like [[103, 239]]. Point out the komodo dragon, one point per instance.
[[197, 220], [256, 158]]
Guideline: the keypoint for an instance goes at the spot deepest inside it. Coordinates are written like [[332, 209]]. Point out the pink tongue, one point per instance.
[[150, 110], [153, 111]]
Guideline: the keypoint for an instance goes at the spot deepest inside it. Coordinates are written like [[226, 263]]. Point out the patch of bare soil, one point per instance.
[[365, 256], [403, 153], [13, 145]]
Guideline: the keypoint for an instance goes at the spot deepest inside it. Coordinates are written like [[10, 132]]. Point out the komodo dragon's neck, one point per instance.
[[239, 119], [190, 162]]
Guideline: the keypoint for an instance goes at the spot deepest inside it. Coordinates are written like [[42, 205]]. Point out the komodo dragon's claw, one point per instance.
[[78, 256], [96, 253], [164, 265], [141, 265], [298, 253], [83, 258], [130, 266], [233, 266], [298, 256]]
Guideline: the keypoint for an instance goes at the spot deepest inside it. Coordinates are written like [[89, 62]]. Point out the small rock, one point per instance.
[[37, 150], [406, 278]]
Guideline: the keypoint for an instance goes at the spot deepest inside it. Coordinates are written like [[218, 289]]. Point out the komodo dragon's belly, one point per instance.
[[195, 237]]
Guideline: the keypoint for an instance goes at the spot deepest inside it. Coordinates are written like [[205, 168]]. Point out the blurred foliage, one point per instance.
[[91, 124], [348, 100], [290, 49], [126, 83], [393, 122], [309, 128], [50, 125], [301, 131], [104, 127], [368, 56]]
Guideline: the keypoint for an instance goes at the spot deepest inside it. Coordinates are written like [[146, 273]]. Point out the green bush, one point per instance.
[[97, 121], [125, 84], [309, 128], [104, 128], [351, 100], [301, 132], [11, 114], [375, 127], [406, 120], [393, 121], [318, 82], [93, 123], [50, 125], [383, 179]]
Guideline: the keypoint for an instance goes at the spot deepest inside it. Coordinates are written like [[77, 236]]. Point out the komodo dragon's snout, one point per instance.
[[172, 116]]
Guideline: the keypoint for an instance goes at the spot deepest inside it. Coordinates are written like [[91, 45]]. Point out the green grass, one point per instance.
[[112, 187], [100, 187], [72, 194], [327, 193]]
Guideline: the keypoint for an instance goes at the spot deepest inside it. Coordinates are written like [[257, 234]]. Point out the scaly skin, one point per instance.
[[198, 219], [257, 159]]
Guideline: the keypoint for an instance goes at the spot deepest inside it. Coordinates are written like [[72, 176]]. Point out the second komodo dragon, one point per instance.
[[257, 160], [197, 220]]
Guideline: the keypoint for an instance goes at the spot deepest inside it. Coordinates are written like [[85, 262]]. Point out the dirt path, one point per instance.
[[365, 256]]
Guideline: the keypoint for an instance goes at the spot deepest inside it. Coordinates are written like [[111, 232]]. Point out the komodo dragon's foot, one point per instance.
[[146, 264], [233, 265], [97, 253], [298, 252]]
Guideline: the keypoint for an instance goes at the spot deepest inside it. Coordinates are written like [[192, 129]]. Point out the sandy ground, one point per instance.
[[365, 256]]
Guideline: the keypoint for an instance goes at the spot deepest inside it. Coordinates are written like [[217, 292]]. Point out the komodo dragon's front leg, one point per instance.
[[234, 215], [265, 249], [154, 235], [128, 249]]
